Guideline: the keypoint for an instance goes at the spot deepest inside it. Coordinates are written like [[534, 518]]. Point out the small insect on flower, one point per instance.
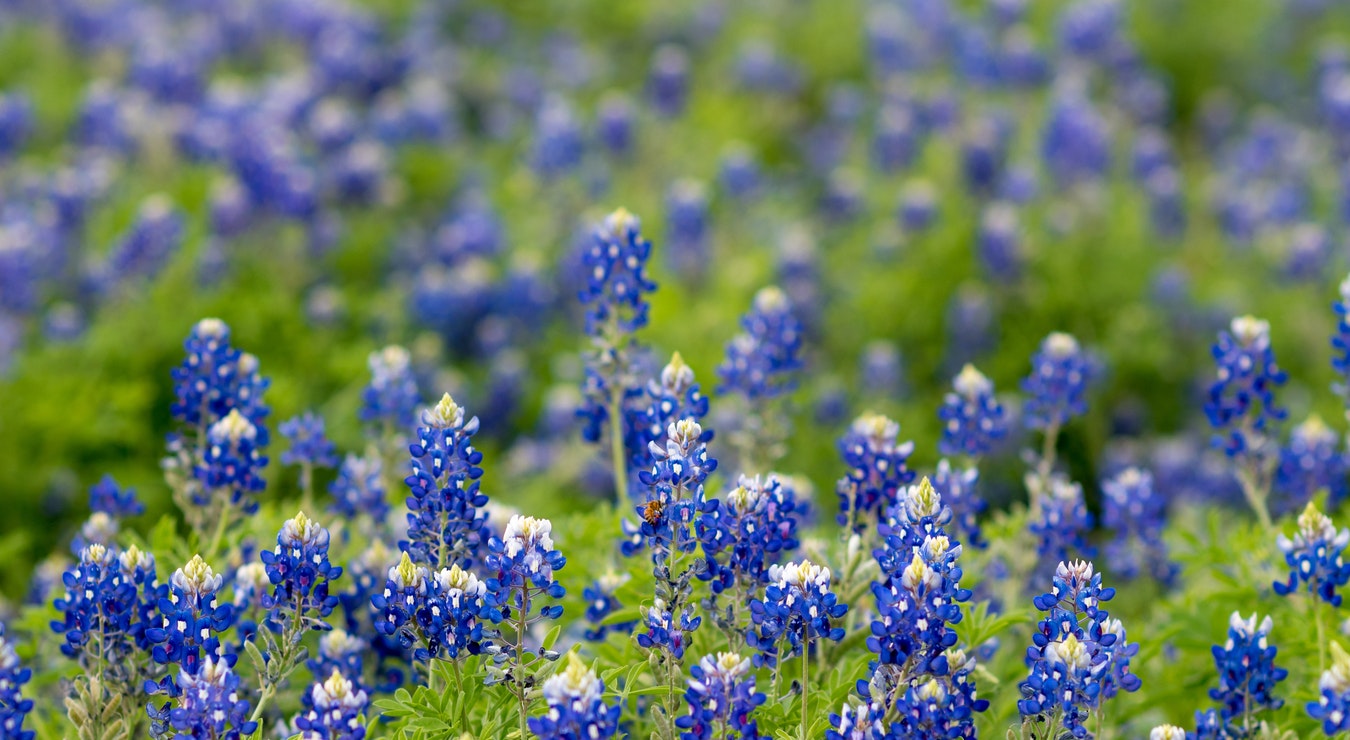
[[651, 513]]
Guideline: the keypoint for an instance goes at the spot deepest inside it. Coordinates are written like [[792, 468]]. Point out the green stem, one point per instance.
[[1321, 635], [306, 486], [220, 529], [806, 672], [521, 688], [1255, 493]]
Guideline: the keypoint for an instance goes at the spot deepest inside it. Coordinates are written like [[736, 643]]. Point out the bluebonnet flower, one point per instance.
[[301, 575], [558, 139], [1167, 732], [918, 208], [1134, 510], [1332, 707], [799, 607], [687, 227], [722, 698], [336, 707], [918, 599], [668, 80], [210, 707], [615, 122], [1310, 463], [233, 463], [190, 622], [750, 529], [16, 123], [877, 470], [97, 609], [932, 710], [1247, 677], [14, 708], [150, 242], [359, 488], [855, 722], [896, 138], [999, 241], [762, 361], [667, 631], [309, 442], [616, 277], [109, 498], [99, 529], [1314, 557], [601, 602], [960, 495], [649, 413], [1340, 342], [524, 560], [446, 521], [973, 419], [738, 171], [576, 706], [1061, 521], [215, 378], [675, 499], [1075, 144], [340, 652], [1060, 373], [401, 607], [391, 398], [1079, 657], [1242, 399]]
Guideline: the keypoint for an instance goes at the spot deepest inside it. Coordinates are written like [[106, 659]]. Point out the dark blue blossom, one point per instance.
[[576, 706], [675, 499], [798, 607], [1079, 656], [1247, 678], [601, 602], [309, 442], [1061, 522], [666, 631], [616, 275], [876, 470], [359, 488], [436, 614], [1057, 385], [524, 561], [973, 419], [1136, 513], [109, 498], [215, 378], [558, 139], [1310, 463], [233, 463], [300, 574], [1340, 342], [211, 705], [336, 706], [748, 531], [650, 412], [97, 610], [668, 80], [1332, 707], [959, 493], [14, 708], [763, 360], [1314, 557], [446, 520], [391, 398], [722, 698], [1242, 400], [190, 622]]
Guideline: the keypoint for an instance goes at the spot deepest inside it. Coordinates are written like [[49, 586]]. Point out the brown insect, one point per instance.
[[651, 513]]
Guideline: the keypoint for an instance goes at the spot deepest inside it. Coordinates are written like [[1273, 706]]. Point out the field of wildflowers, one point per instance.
[[702, 370]]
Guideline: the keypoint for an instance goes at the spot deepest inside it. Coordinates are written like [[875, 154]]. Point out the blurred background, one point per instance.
[[931, 182]]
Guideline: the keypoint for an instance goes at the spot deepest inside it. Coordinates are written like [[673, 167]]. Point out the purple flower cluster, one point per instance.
[[722, 698], [748, 531], [446, 520], [876, 471], [1057, 386], [1079, 657], [1315, 557], [1136, 513], [1247, 680], [1242, 399], [762, 361], [435, 614]]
